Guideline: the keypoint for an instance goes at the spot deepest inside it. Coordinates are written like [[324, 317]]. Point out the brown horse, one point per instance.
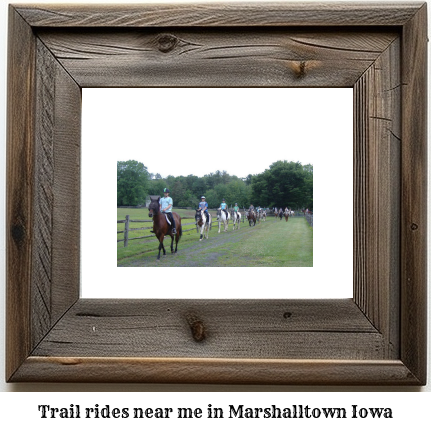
[[162, 228], [251, 217]]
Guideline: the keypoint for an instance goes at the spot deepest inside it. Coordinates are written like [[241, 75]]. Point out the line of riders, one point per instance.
[[252, 214], [166, 222]]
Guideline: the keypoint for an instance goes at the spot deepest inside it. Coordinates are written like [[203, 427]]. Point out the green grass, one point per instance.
[[140, 246], [274, 244], [268, 244]]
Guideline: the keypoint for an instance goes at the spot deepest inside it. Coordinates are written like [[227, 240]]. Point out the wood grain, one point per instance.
[[414, 194], [221, 15], [234, 329], [377, 149], [20, 195], [215, 371], [216, 58], [55, 284]]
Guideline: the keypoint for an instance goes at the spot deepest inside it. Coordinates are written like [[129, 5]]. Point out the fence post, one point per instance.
[[126, 232]]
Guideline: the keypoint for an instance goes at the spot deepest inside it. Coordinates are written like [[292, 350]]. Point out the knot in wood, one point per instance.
[[300, 69], [197, 327], [167, 42], [414, 226], [18, 233]]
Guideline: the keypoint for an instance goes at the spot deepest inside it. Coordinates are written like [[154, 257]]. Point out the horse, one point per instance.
[[162, 228], [222, 218], [201, 223], [280, 214], [263, 215], [286, 214], [236, 218], [251, 216]]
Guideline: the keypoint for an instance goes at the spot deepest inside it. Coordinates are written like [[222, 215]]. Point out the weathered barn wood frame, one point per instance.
[[378, 337]]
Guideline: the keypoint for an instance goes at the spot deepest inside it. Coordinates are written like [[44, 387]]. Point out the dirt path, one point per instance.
[[199, 253], [266, 244]]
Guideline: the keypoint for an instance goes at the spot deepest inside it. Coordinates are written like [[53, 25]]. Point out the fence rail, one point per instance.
[[128, 229], [309, 218]]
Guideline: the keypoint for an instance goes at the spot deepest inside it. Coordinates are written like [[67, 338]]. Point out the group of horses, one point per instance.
[[254, 216], [203, 224], [162, 226], [279, 213]]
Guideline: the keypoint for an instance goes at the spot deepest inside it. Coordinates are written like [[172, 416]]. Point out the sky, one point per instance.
[[195, 131]]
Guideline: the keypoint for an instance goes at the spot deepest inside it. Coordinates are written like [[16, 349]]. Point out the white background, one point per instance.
[[20, 408], [312, 126]]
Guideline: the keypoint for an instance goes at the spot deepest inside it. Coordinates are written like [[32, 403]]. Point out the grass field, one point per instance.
[[143, 245], [268, 244]]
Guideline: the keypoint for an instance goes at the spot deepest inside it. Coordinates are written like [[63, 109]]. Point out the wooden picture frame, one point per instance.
[[376, 338]]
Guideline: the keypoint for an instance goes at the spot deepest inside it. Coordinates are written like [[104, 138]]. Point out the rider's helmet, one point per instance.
[[203, 197], [165, 190]]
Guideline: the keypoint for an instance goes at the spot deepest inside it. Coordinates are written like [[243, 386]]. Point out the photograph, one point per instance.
[[241, 161]]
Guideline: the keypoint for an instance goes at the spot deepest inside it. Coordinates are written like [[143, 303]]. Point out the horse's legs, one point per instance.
[[161, 246], [172, 243], [160, 249]]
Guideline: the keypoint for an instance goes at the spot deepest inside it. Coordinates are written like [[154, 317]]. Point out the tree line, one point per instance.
[[284, 183]]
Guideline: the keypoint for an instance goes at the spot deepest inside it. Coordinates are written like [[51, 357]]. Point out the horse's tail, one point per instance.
[[181, 232]]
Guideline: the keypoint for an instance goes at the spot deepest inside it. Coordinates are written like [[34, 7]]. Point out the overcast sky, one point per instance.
[[183, 131]]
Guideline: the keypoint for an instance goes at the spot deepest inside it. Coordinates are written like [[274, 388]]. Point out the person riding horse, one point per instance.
[[203, 205], [166, 204], [235, 212], [224, 207]]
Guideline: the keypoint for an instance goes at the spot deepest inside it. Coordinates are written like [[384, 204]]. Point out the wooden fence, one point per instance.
[[128, 229], [309, 218]]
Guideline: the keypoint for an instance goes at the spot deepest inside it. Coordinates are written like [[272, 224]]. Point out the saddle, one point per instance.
[[167, 218]]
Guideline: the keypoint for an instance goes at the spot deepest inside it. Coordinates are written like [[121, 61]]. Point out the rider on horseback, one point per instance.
[[235, 210], [166, 204], [203, 205], [224, 207]]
